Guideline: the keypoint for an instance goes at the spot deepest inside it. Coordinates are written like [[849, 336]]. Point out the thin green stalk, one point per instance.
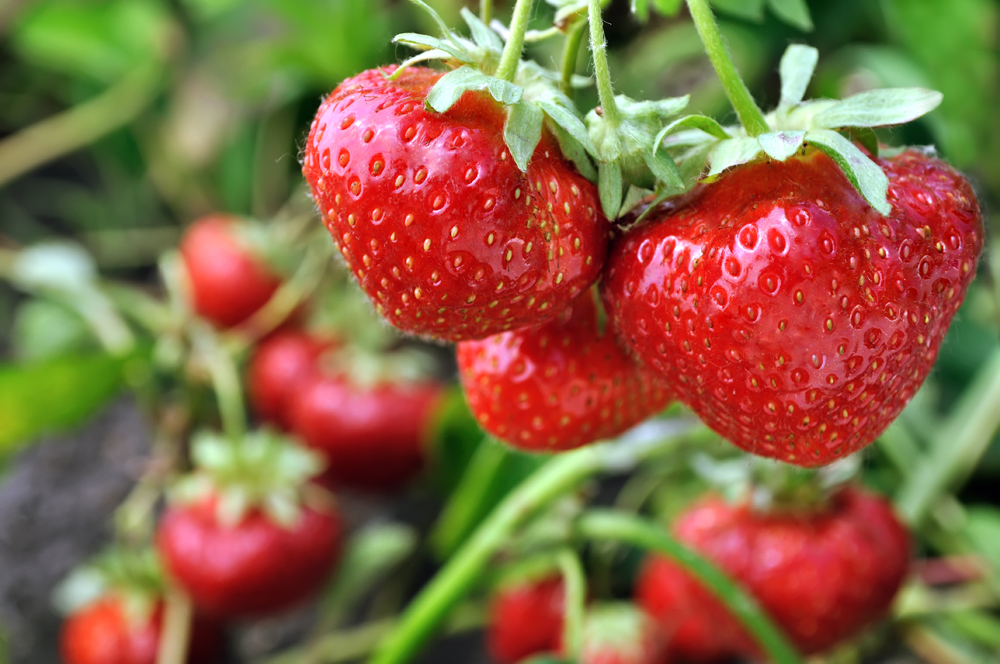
[[624, 527], [739, 96], [964, 438], [515, 42], [575, 584], [465, 504], [225, 381], [602, 73], [560, 475], [176, 631], [72, 129], [571, 53], [486, 11]]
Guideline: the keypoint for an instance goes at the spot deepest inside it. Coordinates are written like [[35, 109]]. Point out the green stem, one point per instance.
[[486, 11], [624, 527], [571, 53], [72, 129], [511, 55], [464, 508], [225, 380], [602, 73], [575, 604], [176, 631], [739, 96], [560, 475], [962, 440]]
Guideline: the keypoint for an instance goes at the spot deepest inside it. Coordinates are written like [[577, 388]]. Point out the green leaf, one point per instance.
[[522, 131], [569, 121], [433, 43], [732, 152], [664, 168], [454, 84], [878, 108], [42, 397], [442, 26], [609, 187], [792, 12], [702, 122], [573, 150], [780, 145], [863, 173], [751, 10], [661, 108], [667, 8], [797, 66], [481, 34]]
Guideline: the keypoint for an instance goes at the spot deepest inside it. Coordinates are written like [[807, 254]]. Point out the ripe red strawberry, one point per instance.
[[254, 567], [823, 575], [445, 234], [374, 437], [621, 633], [106, 632], [279, 365], [526, 618], [228, 283], [559, 385], [796, 320]]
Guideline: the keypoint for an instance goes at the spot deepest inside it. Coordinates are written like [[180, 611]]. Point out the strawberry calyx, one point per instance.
[[530, 94], [366, 368], [797, 125], [263, 471], [134, 577], [775, 487], [617, 627]]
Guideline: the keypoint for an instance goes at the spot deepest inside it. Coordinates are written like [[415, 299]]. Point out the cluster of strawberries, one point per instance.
[[823, 574], [254, 529]]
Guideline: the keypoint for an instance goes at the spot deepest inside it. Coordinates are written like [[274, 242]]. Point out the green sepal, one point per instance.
[[780, 145], [863, 173], [879, 108], [633, 197], [433, 43], [796, 70], [609, 187], [733, 152], [442, 26], [264, 470], [793, 12], [522, 131], [135, 577], [573, 150], [569, 122], [702, 122], [450, 88], [867, 137], [664, 168], [481, 33]]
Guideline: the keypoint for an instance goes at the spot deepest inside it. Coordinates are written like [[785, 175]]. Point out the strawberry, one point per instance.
[[822, 573], [107, 632], [445, 234], [374, 437], [796, 320], [280, 363], [244, 536], [621, 633], [228, 282], [559, 385], [526, 618]]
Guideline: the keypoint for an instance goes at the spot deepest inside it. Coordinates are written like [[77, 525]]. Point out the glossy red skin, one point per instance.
[[374, 439], [228, 284], [796, 321], [279, 365], [443, 232], [823, 577], [101, 633], [526, 618], [559, 385], [255, 568]]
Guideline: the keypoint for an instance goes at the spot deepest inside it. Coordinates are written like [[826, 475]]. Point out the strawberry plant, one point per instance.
[[542, 328]]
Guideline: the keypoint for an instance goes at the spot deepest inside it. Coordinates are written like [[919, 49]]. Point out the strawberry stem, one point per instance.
[[602, 73], [225, 382], [571, 52], [511, 55], [619, 526], [486, 11], [575, 584], [736, 90], [176, 631]]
